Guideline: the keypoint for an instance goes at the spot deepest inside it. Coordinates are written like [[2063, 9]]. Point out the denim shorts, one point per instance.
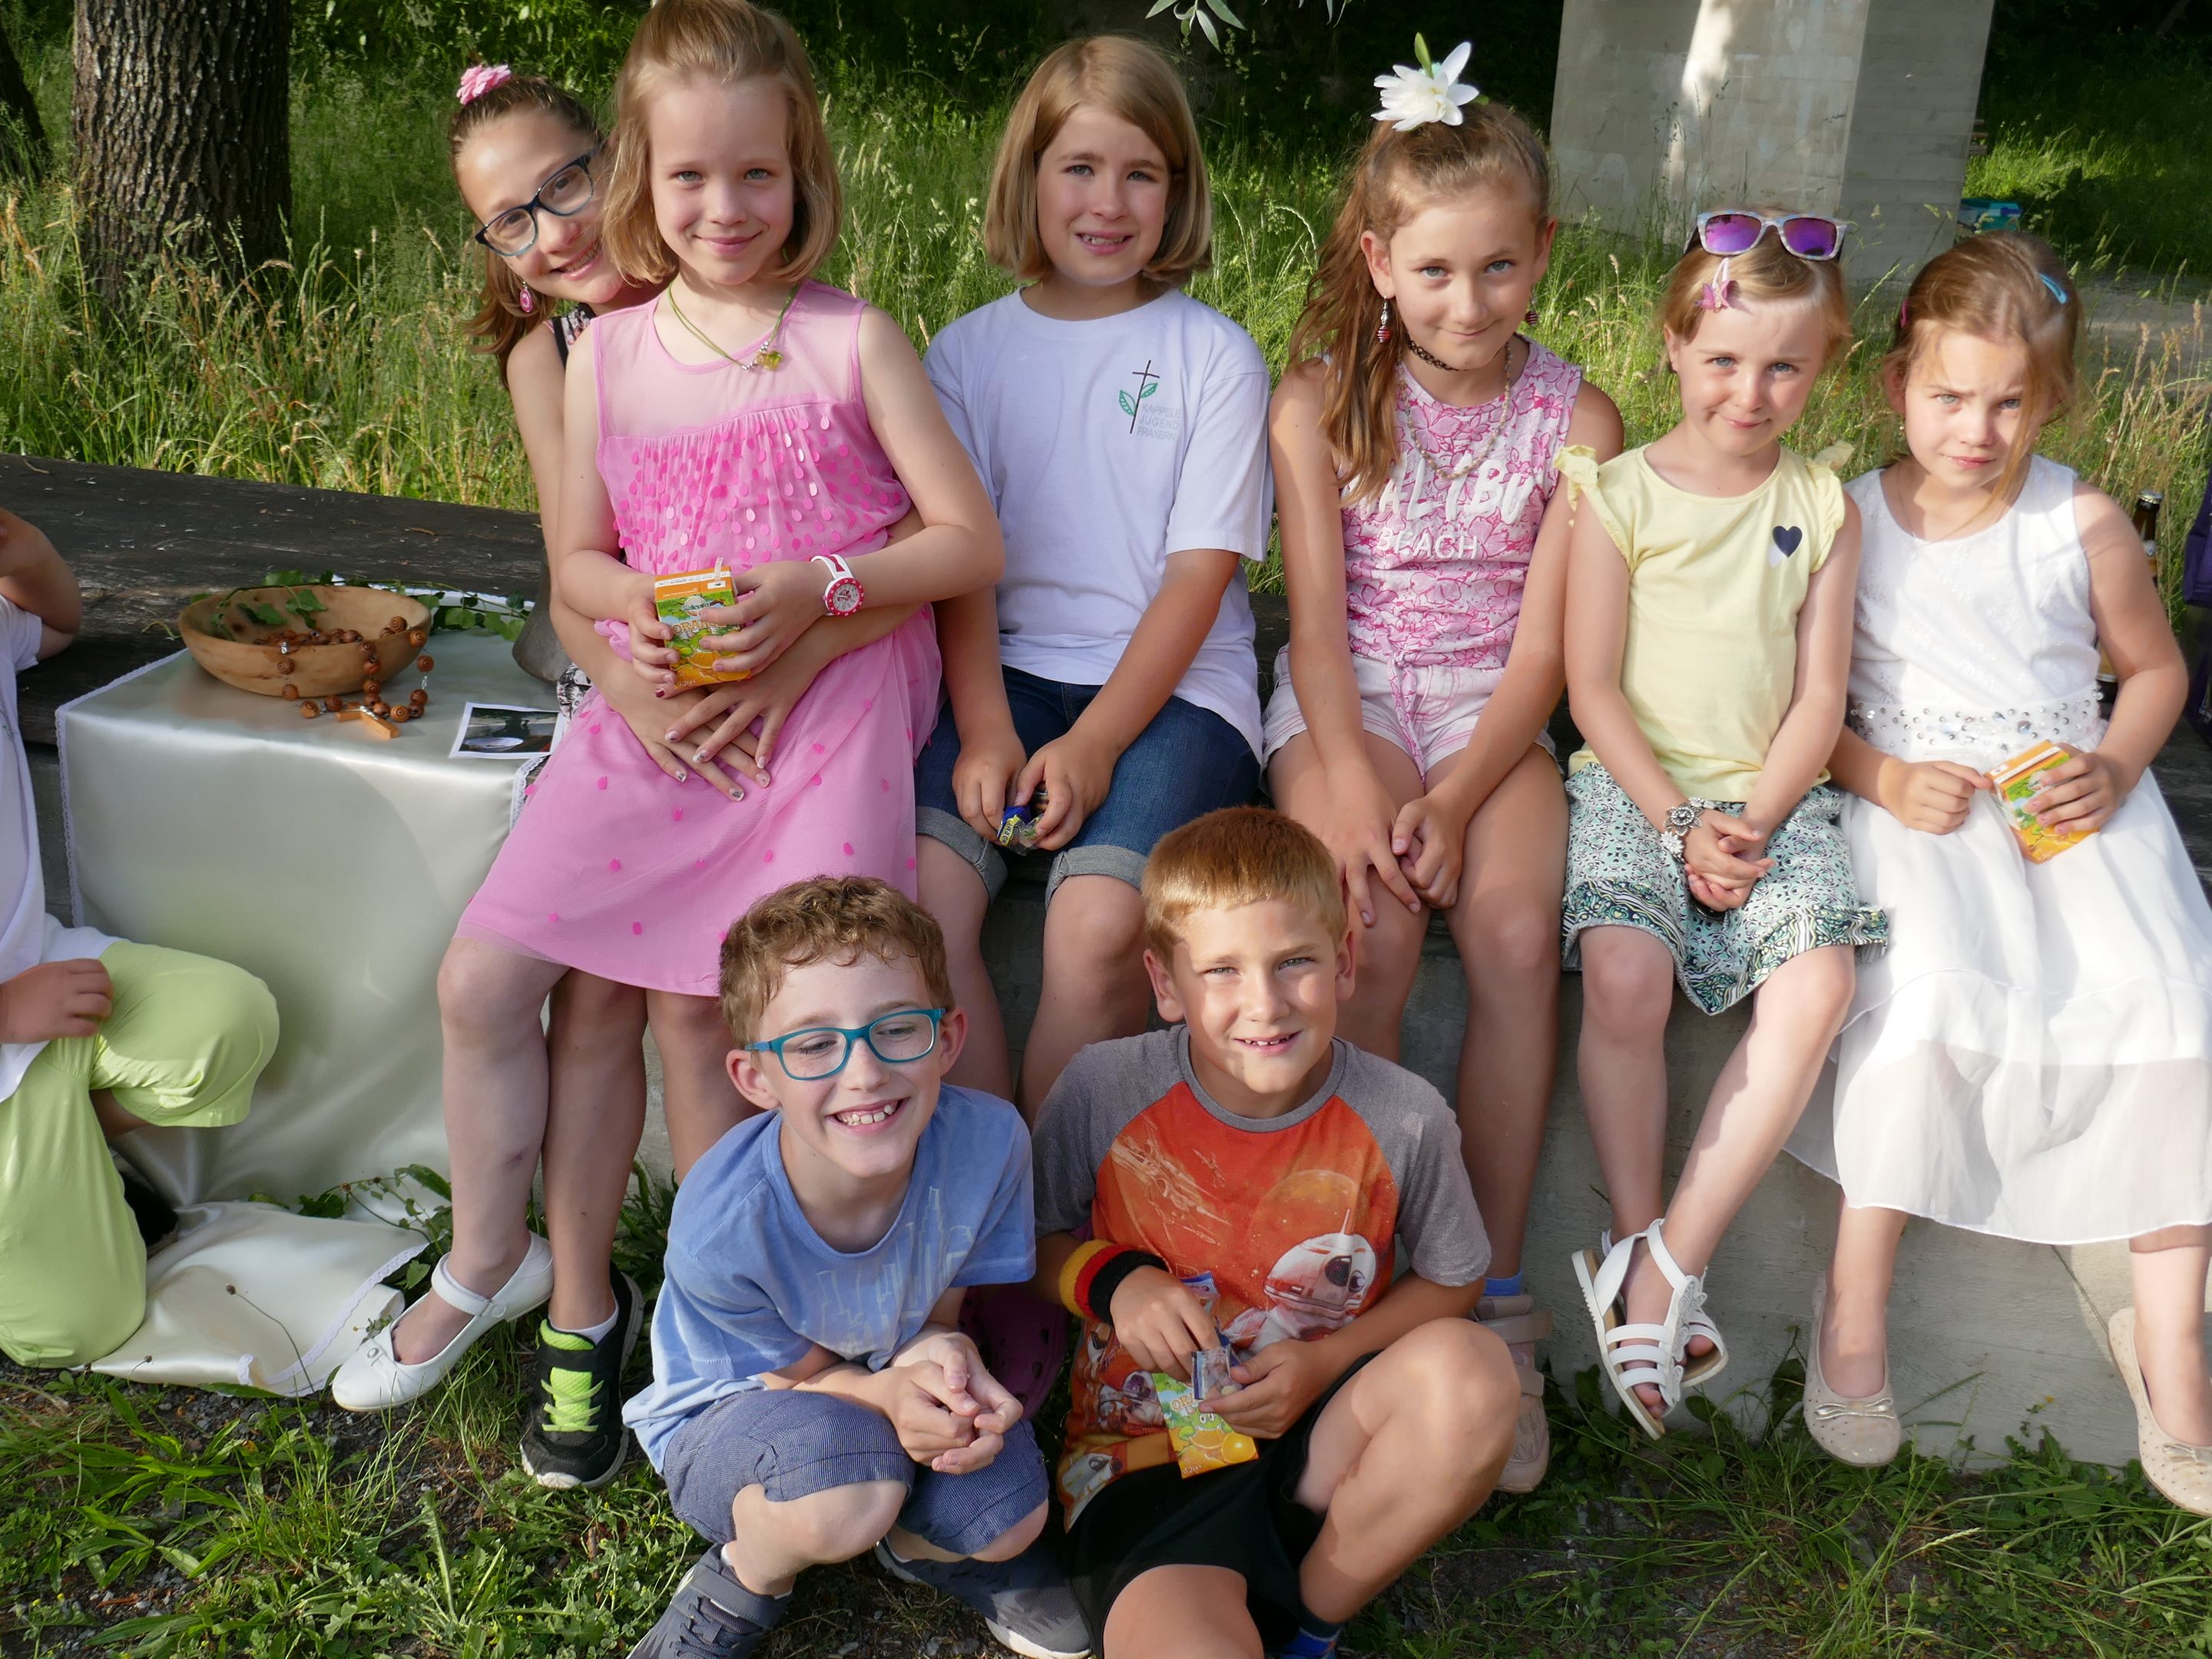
[[793, 1444], [1186, 763]]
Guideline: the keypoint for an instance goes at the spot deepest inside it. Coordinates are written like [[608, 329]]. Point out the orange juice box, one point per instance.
[[1203, 1440], [680, 599], [2019, 781]]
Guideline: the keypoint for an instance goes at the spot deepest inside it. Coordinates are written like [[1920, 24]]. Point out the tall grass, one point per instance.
[[345, 367]]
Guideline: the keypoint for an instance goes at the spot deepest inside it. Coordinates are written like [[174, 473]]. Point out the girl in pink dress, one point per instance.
[[747, 418], [1413, 441]]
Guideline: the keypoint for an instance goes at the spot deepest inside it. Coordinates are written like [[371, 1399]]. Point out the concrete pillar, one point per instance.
[[1863, 108]]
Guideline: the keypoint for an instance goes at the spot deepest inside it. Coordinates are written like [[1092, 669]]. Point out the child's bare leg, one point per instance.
[[700, 1102], [1094, 978], [490, 1002], [1406, 1451], [1754, 1105], [2169, 1283], [1506, 925], [1855, 1323], [773, 1543], [595, 1115], [912, 1546], [1388, 955], [954, 894], [1191, 1613], [1628, 991]]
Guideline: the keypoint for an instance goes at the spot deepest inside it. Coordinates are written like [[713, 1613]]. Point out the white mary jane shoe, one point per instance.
[[376, 1379]]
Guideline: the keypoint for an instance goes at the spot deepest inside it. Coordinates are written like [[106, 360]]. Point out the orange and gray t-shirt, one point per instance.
[[1293, 1223]]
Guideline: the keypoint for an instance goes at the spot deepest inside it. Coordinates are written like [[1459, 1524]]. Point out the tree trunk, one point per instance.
[[22, 141], [181, 129]]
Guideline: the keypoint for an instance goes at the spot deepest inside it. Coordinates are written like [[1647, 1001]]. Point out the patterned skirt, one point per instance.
[[1619, 876]]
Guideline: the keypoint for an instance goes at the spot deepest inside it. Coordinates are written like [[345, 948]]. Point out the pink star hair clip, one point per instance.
[[1720, 292], [478, 79]]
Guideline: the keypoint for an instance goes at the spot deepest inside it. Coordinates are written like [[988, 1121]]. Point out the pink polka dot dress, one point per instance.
[[613, 866]]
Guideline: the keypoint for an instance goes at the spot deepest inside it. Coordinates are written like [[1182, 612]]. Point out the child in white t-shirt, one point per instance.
[[1121, 428]]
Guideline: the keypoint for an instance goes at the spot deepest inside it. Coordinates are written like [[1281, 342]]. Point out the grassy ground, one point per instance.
[[170, 1521], [174, 1521]]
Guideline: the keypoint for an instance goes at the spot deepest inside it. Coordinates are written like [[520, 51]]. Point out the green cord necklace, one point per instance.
[[767, 358]]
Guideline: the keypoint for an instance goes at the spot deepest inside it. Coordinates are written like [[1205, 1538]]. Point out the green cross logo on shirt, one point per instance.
[[1148, 383]]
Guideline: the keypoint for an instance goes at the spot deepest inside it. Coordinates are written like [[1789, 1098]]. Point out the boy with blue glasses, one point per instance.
[[811, 1398]]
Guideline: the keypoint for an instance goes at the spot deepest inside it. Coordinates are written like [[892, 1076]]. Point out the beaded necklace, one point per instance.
[[1473, 463], [768, 357]]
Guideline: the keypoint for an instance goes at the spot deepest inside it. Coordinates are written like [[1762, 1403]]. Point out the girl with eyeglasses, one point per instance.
[[523, 150], [1708, 637]]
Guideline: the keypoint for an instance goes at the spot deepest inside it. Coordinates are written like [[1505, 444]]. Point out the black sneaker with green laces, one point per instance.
[[575, 1436]]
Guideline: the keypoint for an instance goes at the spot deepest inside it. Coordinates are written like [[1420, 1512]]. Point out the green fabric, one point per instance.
[[186, 1042]]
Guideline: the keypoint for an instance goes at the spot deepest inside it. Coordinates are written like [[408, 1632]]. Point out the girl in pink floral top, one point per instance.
[[1413, 441]]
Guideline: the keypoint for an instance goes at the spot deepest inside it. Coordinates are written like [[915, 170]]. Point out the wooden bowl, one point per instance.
[[318, 671]]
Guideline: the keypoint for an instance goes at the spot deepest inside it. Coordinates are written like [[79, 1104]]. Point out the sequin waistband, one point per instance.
[[1917, 733]]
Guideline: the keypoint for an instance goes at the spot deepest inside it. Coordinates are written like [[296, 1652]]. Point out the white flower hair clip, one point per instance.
[[1413, 97]]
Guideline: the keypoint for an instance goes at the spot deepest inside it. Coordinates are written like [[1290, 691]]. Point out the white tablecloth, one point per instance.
[[333, 865]]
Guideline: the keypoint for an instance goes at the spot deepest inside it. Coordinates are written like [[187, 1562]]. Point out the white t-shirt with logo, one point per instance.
[[28, 936], [1107, 445]]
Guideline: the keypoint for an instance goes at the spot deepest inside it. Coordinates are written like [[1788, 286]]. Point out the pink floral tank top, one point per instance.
[[1435, 564], [715, 464]]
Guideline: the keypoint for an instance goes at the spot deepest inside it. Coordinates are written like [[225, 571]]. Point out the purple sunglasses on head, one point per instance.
[[1732, 231]]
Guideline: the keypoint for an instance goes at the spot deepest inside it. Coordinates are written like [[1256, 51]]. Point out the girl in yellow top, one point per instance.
[[1708, 640]]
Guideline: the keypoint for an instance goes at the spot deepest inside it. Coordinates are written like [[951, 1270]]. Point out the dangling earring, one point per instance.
[[528, 302], [1383, 328], [1529, 315]]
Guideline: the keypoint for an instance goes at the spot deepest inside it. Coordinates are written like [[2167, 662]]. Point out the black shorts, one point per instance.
[[1246, 1518]]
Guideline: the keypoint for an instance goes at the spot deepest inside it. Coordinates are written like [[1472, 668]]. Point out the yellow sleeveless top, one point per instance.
[[1715, 585]]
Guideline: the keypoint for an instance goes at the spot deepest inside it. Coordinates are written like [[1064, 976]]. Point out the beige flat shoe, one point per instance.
[[1520, 1324], [2182, 1472], [1864, 1431]]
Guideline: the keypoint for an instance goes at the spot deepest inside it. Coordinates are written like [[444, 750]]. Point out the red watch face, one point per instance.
[[843, 597]]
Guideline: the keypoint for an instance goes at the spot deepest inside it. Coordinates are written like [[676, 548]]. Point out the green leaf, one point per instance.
[[1221, 11], [1212, 34], [267, 615], [1159, 6], [1151, 386], [1128, 404], [1421, 52]]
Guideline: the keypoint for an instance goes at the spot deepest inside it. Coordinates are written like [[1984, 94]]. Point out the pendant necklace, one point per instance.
[[768, 357]]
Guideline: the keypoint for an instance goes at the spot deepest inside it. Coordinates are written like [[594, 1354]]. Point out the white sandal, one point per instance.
[[1635, 1354], [1686, 1316], [1631, 1355], [375, 1379]]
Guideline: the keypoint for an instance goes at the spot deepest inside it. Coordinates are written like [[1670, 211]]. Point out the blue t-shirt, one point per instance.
[[751, 1286]]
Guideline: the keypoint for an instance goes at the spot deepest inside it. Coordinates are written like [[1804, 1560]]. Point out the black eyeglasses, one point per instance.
[[515, 231]]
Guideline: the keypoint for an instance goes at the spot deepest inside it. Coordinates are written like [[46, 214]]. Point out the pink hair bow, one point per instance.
[[1720, 292], [480, 78]]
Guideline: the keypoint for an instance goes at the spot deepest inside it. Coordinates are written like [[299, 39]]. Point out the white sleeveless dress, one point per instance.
[[2032, 1056]]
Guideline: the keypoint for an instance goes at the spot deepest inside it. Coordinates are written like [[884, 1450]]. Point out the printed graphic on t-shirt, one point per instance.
[[1148, 419], [1298, 1229]]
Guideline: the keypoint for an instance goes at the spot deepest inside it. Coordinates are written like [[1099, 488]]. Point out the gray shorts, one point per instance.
[[792, 1444]]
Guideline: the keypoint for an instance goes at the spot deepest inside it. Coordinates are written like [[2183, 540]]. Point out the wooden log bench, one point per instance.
[[1988, 1338]]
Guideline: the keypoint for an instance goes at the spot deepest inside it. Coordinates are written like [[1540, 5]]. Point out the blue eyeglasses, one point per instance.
[[820, 1051]]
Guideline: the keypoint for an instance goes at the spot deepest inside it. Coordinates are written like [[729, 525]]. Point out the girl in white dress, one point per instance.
[[2032, 1057]]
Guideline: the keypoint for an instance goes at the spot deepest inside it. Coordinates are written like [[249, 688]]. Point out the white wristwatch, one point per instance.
[[843, 595]]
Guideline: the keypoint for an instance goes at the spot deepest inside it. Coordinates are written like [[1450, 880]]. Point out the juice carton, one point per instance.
[[680, 599], [2019, 781], [1203, 1440]]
